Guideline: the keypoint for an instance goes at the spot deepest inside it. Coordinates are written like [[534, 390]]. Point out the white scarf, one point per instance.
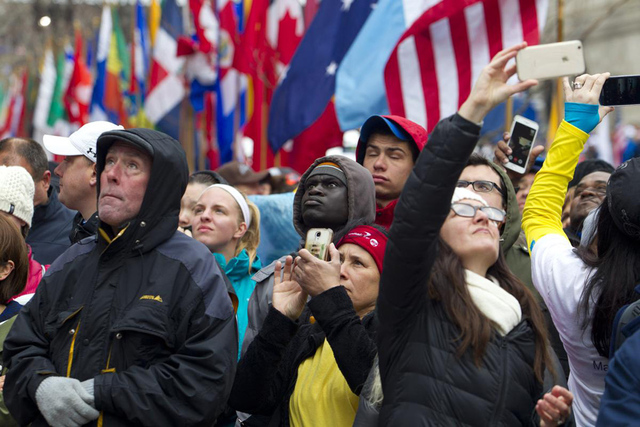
[[502, 308]]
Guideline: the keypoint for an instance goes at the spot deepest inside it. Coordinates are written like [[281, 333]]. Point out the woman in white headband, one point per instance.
[[229, 225]]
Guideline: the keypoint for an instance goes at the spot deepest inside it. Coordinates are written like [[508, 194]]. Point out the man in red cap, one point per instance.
[[388, 148]]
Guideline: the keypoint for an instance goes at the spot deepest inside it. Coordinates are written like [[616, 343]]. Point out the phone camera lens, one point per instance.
[[318, 234]]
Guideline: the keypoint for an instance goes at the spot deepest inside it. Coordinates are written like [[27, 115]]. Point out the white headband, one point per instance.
[[462, 193], [239, 198]]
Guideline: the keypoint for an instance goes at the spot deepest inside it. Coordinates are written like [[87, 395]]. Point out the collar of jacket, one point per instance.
[[46, 210], [384, 216], [238, 267]]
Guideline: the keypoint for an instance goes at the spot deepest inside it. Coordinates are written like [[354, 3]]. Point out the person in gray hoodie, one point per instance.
[[323, 204]]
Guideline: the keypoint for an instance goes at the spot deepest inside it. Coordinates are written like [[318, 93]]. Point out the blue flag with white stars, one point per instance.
[[307, 86]]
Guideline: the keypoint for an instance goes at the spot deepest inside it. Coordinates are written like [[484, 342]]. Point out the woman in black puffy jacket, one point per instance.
[[461, 340]]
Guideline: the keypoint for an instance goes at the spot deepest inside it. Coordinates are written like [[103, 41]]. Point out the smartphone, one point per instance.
[[621, 90], [318, 241], [547, 61], [523, 134]]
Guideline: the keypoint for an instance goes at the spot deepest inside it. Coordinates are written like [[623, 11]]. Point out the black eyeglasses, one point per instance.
[[480, 186], [469, 211]]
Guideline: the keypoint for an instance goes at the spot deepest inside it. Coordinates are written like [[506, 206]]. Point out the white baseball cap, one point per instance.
[[80, 143]]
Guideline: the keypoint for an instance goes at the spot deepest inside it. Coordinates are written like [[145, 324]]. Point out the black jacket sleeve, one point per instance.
[[26, 356], [260, 383], [353, 346], [421, 210]]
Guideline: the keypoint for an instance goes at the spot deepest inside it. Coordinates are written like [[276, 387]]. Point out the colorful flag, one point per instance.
[[272, 34], [78, 95], [360, 79], [45, 96], [154, 20], [117, 74], [57, 115], [434, 65], [166, 91], [230, 81], [98, 109], [309, 82]]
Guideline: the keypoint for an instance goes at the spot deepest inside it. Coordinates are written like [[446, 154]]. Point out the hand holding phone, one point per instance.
[[318, 241], [523, 135], [621, 90], [551, 60]]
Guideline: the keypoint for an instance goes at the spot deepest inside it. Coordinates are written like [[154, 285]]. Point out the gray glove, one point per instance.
[[64, 402]]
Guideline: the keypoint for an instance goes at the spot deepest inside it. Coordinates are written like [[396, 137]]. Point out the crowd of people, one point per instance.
[[454, 291]]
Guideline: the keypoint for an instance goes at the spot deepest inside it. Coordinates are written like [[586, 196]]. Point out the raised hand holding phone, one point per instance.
[[314, 275], [523, 134]]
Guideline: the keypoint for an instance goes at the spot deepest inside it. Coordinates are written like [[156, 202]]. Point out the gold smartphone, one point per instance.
[[318, 241]]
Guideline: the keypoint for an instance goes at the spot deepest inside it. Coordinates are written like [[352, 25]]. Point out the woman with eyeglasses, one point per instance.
[[461, 340]]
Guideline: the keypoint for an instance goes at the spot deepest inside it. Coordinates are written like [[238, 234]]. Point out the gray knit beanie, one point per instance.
[[16, 192]]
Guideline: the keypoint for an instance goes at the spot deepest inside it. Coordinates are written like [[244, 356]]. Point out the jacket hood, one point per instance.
[[167, 183], [417, 135], [361, 196], [513, 224]]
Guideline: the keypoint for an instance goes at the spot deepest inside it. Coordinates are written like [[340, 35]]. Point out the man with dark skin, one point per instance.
[[587, 196]]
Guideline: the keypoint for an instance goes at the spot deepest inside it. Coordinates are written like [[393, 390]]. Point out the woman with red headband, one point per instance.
[[304, 373]]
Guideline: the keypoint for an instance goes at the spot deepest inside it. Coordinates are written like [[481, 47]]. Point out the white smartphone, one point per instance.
[[547, 61], [318, 241], [523, 134]]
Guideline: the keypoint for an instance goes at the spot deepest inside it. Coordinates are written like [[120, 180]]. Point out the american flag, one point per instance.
[[435, 63]]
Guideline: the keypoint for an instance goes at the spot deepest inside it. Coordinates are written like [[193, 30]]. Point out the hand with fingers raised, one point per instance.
[[288, 297], [491, 88], [581, 107]]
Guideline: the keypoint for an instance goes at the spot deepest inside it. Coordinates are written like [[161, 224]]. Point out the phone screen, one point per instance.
[[520, 143], [623, 90]]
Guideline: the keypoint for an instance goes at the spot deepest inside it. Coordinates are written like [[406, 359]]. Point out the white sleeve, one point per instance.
[[559, 275]]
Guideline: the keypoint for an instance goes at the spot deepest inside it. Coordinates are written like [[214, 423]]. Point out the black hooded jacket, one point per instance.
[[425, 383], [361, 201], [146, 315]]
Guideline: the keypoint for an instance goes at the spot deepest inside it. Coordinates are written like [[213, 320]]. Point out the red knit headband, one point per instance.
[[368, 238]]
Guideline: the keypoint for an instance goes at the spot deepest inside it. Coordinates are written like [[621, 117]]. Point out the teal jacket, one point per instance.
[[238, 272]]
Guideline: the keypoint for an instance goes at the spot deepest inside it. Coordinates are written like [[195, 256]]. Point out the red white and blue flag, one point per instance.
[[436, 62]]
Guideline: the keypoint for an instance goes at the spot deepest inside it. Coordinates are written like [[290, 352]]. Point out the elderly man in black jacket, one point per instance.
[[133, 326]]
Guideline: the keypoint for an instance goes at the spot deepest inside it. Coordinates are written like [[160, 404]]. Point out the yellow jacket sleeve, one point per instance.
[[543, 210]]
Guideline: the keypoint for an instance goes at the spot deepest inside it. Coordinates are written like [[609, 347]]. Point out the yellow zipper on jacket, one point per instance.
[[104, 371], [73, 344]]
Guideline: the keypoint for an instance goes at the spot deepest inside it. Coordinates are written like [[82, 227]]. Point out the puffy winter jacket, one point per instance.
[[424, 382], [145, 314]]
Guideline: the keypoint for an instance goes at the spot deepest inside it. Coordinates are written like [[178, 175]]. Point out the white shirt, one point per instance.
[[560, 278]]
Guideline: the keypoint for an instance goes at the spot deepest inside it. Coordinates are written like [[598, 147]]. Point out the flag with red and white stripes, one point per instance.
[[437, 60]]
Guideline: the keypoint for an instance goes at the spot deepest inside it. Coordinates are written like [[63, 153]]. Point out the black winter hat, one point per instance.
[[623, 197]]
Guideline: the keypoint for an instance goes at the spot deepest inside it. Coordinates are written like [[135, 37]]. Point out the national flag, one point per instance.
[[273, 31], [309, 82], [230, 81], [154, 20], [57, 115], [78, 95], [45, 96], [360, 79], [98, 109], [14, 119], [200, 53], [314, 141], [140, 54], [166, 91], [117, 75], [434, 65]]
